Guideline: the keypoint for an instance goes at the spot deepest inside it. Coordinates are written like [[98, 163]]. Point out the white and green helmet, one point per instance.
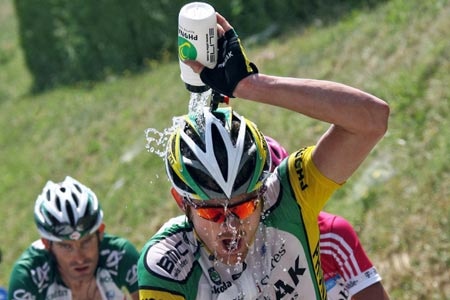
[[67, 211], [216, 155]]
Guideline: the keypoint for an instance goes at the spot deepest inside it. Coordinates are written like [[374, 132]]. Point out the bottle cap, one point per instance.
[[196, 88]]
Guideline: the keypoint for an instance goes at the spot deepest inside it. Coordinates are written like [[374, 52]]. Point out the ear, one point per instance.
[[46, 243], [101, 231], [178, 199]]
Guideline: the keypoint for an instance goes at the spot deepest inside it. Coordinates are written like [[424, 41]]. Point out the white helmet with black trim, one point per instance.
[[67, 211]]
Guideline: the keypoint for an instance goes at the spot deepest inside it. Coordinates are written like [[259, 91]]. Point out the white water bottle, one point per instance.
[[197, 40]]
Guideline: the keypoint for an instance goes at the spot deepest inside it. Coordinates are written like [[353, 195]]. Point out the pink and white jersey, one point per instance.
[[346, 267]]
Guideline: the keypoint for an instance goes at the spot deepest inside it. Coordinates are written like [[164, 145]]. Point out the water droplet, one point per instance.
[[157, 140]]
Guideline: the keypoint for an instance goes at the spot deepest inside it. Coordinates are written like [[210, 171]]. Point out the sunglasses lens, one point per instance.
[[245, 209], [212, 214], [218, 215]]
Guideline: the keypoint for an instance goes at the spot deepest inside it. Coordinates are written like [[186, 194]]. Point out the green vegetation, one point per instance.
[[64, 42], [399, 200]]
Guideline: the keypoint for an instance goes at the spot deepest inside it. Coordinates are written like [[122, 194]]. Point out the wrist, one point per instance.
[[246, 87], [255, 87]]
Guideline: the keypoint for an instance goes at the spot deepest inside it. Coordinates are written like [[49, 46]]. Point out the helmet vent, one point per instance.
[[247, 166], [78, 188], [195, 138], [70, 214], [178, 182], [75, 199], [234, 131], [58, 203], [194, 171], [246, 169], [219, 151], [207, 180]]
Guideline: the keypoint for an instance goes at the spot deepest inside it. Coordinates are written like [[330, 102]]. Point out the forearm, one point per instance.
[[353, 110]]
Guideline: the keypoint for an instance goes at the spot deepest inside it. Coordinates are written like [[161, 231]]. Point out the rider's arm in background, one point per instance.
[[340, 247]]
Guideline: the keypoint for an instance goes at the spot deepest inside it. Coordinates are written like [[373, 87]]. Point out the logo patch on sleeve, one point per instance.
[[171, 257]]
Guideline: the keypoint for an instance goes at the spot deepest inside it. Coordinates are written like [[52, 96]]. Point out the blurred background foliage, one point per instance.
[[69, 41]]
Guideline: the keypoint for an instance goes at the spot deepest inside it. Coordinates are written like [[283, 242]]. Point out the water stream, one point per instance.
[[157, 140]]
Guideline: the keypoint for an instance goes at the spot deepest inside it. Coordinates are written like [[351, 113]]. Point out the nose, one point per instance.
[[231, 220], [78, 255]]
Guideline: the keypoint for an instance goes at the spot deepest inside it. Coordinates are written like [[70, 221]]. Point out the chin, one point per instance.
[[232, 258]]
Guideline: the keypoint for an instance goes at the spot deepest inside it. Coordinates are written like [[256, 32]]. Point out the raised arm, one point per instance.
[[358, 119]]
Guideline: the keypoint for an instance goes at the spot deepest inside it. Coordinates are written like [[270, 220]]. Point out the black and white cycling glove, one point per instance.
[[232, 65]]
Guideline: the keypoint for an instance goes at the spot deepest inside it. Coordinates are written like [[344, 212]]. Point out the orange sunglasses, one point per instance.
[[219, 214]]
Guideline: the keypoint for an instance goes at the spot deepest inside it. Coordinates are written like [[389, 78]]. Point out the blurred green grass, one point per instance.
[[399, 200]]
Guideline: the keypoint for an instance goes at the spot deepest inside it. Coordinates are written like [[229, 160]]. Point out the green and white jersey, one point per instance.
[[35, 275], [282, 263]]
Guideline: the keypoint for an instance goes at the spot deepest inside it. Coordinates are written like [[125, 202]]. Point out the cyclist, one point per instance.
[[347, 270], [248, 233], [75, 258]]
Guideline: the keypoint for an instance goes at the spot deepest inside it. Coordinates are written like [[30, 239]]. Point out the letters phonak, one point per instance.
[[188, 36]]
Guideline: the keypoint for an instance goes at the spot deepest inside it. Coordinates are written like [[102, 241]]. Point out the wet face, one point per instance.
[[77, 260], [231, 227]]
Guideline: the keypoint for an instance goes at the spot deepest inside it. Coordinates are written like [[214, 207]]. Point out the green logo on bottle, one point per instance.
[[186, 51]]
